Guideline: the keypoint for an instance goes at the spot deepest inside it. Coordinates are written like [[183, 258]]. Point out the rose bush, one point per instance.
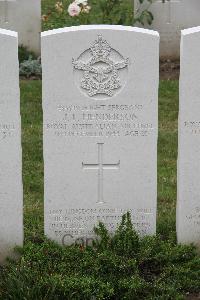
[[77, 12]]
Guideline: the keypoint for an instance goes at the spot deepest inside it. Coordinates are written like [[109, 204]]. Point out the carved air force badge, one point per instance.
[[102, 70]]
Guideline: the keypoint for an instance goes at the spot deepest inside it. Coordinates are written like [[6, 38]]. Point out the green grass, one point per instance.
[[31, 112], [124, 267], [167, 156]]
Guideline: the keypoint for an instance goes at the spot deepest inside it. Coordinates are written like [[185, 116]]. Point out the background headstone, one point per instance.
[[11, 195], [170, 17], [100, 86], [188, 208], [23, 16]]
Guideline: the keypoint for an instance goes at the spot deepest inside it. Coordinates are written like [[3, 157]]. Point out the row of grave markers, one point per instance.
[[169, 18], [100, 106], [23, 16]]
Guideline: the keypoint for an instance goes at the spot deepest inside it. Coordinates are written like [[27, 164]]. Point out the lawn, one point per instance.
[[46, 271], [31, 113]]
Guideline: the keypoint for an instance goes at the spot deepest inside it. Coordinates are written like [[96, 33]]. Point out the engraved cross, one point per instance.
[[100, 166], [169, 3]]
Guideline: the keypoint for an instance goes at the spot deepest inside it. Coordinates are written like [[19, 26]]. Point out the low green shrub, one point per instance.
[[30, 68], [123, 266]]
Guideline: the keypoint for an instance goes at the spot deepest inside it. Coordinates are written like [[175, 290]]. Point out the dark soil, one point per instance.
[[193, 297], [169, 70]]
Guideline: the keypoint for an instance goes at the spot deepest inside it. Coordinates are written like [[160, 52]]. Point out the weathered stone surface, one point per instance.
[[188, 207], [170, 17], [100, 101], [11, 197], [23, 16]]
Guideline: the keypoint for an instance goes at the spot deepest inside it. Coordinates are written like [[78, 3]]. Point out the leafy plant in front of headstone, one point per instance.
[[119, 12], [119, 266], [124, 241], [30, 68]]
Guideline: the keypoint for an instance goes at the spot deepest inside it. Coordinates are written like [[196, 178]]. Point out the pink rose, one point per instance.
[[74, 9]]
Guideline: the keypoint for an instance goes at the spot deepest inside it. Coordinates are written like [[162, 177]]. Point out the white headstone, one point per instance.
[[188, 208], [100, 86], [11, 198], [170, 17], [23, 16]]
